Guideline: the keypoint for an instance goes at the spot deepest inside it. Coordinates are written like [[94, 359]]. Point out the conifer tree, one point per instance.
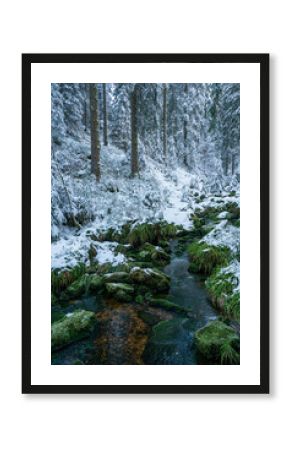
[[134, 132], [95, 141], [105, 118]]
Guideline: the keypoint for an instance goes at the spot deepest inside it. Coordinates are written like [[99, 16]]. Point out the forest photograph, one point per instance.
[[145, 224]]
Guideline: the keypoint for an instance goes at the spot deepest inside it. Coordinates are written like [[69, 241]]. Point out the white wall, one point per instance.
[[170, 422]]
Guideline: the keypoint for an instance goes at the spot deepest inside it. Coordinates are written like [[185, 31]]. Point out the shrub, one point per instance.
[[205, 258]]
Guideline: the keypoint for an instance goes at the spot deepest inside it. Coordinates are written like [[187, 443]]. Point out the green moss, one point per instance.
[[232, 306], [148, 318], [151, 233], [71, 328], [154, 254], [116, 277], [78, 287], [221, 288], [166, 330], [60, 280], [150, 279], [169, 306], [120, 291], [141, 264], [218, 343], [139, 299], [205, 258]]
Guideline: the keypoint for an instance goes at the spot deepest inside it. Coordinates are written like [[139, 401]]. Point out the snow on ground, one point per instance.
[[158, 193], [234, 269], [72, 249], [175, 209], [224, 234]]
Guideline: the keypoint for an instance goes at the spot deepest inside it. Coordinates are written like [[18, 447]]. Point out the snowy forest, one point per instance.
[[145, 223]]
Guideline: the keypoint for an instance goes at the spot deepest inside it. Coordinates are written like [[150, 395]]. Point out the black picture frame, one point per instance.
[[27, 61]]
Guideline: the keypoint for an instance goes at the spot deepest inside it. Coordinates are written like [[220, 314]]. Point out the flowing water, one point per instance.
[[124, 333], [173, 343]]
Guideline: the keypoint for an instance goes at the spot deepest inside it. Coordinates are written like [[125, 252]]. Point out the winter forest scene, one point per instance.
[[145, 224]]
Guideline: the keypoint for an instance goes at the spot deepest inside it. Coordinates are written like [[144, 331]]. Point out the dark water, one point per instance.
[[121, 335], [174, 342]]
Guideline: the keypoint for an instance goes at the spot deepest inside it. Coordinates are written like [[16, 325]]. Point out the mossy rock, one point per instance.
[[78, 287], [139, 299], [120, 291], [155, 254], [144, 256], [104, 268], [168, 306], [116, 277], [71, 328], [218, 343], [150, 279], [60, 280], [149, 318], [168, 338], [96, 283], [83, 285], [124, 249], [140, 264], [166, 330]]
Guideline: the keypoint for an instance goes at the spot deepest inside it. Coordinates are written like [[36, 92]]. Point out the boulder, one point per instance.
[[120, 291], [218, 343], [84, 284], [78, 287], [169, 306], [154, 253], [150, 279], [116, 277], [73, 327], [95, 283]]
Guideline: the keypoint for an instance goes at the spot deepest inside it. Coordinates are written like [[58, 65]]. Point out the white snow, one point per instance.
[[224, 234], [71, 249], [234, 269]]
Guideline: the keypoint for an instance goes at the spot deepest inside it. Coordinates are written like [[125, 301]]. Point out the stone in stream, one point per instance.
[[120, 291], [150, 279], [218, 343], [155, 254], [170, 343], [72, 327], [168, 305], [84, 284], [116, 277]]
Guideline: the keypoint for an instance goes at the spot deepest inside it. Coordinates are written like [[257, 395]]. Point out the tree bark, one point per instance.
[[134, 134], [105, 118], [95, 141], [164, 122]]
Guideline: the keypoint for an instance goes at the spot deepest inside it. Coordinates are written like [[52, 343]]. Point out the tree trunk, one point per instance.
[[95, 142], [105, 127], [134, 134], [164, 122], [233, 164], [185, 124]]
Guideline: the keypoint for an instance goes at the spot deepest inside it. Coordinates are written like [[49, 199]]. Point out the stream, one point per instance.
[[124, 332]]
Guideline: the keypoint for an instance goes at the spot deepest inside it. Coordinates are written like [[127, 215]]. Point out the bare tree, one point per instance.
[[95, 141]]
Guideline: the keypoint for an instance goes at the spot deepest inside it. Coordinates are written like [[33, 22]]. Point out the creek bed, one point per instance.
[[140, 334]]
